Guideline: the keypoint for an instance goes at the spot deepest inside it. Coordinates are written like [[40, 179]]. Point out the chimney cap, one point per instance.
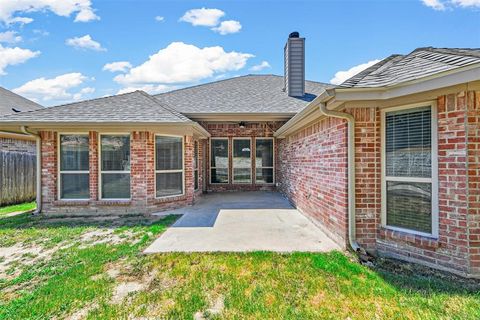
[[294, 34]]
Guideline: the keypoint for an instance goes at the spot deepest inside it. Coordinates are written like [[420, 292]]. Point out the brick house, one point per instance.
[[387, 161], [16, 150]]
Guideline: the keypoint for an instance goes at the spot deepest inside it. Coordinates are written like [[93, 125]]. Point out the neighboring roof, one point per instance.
[[136, 106], [422, 62], [244, 94], [9, 100]]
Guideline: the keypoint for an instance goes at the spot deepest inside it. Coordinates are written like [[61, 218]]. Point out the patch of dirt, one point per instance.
[[123, 289], [215, 309], [403, 268], [82, 313]]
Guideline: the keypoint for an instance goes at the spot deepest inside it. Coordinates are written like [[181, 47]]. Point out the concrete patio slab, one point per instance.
[[240, 222]]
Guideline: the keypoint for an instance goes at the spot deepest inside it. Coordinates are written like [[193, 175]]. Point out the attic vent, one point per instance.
[[16, 110], [294, 64]]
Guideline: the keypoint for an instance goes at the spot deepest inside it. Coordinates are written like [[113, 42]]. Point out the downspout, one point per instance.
[[351, 169], [39, 168]]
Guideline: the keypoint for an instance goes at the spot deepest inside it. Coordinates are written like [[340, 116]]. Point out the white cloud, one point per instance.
[[435, 4], [150, 88], [85, 42], [13, 56], [159, 18], [9, 37], [180, 62], [229, 26], [84, 91], [203, 17], [261, 66], [442, 5], [82, 8], [467, 3], [118, 66], [57, 88], [341, 76]]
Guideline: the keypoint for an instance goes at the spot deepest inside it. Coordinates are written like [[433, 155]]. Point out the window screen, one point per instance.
[[242, 161], [264, 160], [74, 167], [115, 166], [219, 161], [169, 166], [408, 169]]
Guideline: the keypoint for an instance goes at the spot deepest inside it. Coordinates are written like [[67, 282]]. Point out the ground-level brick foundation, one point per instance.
[[311, 172]]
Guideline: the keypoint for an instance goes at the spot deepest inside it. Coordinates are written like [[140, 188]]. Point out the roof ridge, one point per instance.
[[76, 102], [161, 104], [355, 79], [233, 78]]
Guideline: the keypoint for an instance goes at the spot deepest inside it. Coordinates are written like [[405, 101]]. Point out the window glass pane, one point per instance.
[[219, 157], [219, 175], [264, 153], [74, 152], [74, 186], [115, 153], [169, 184], [195, 155], [241, 154], [408, 143], [409, 205], [241, 175], [196, 179], [169, 153], [115, 185], [264, 175]]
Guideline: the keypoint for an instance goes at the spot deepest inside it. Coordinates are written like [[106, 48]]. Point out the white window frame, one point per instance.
[[196, 178], [434, 176], [59, 168], [228, 161], [169, 171], [273, 162], [251, 160], [100, 171]]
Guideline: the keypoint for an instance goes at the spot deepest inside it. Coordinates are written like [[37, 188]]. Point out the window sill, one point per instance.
[[170, 198], [73, 203], [113, 202], [418, 240]]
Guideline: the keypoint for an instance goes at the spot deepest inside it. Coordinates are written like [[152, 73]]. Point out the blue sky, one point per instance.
[[57, 52]]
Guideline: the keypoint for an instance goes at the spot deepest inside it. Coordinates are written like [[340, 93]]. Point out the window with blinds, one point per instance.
[[408, 169]]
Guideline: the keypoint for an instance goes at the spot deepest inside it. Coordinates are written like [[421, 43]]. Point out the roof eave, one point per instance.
[[440, 80]]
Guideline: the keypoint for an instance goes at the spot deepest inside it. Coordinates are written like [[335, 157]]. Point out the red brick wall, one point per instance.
[[142, 179], [231, 130], [312, 173], [307, 175], [473, 136]]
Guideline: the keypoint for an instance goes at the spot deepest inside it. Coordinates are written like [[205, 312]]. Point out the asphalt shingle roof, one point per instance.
[[422, 62], [9, 100], [136, 106], [245, 94]]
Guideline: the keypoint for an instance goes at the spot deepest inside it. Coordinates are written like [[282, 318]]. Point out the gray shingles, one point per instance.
[[9, 100], [245, 94], [422, 62], [136, 106]]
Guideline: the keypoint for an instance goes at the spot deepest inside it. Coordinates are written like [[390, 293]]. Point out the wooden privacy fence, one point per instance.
[[17, 177]]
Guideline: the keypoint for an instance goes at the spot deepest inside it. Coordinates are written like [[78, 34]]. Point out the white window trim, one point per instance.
[[273, 167], [251, 160], [100, 171], [60, 171], [228, 161], [169, 171], [195, 168], [433, 179]]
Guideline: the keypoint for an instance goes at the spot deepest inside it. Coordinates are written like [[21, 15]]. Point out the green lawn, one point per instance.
[[95, 269], [22, 207]]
